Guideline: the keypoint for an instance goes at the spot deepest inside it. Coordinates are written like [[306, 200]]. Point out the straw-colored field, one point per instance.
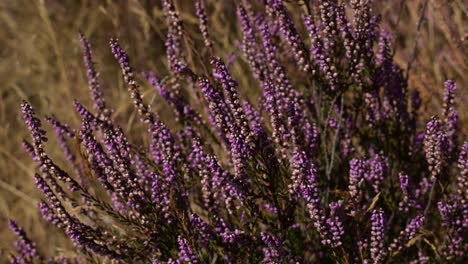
[[40, 61]]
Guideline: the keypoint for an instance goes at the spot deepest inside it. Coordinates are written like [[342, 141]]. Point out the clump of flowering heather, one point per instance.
[[331, 164]]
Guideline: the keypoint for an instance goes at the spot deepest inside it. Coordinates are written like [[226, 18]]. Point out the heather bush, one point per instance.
[[330, 164]]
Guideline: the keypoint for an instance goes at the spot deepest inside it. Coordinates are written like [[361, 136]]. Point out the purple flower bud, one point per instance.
[[377, 170], [320, 50], [47, 167], [335, 223], [435, 146], [178, 103], [454, 220], [304, 185], [221, 74], [60, 131], [146, 115], [390, 77], [218, 109], [272, 251], [407, 234], [81, 237], [34, 125], [93, 81], [49, 215], [25, 248], [408, 200], [201, 14], [186, 255], [252, 52], [289, 34], [462, 179], [62, 218], [174, 43], [422, 259], [450, 115], [377, 246], [356, 179]]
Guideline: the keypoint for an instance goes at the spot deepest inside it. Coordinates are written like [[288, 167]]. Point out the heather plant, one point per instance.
[[331, 163]]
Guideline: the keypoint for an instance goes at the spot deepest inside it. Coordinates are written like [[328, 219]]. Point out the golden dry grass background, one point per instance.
[[40, 61]]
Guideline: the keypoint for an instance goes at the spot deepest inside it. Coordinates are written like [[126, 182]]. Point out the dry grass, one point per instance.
[[40, 61]]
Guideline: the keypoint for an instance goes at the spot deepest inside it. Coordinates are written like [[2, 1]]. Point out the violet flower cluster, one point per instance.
[[331, 163]]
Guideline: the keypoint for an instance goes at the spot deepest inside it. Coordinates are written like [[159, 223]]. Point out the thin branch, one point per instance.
[[431, 194], [418, 32]]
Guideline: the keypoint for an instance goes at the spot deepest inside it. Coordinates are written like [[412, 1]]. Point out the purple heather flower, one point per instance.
[[26, 248], [435, 146], [390, 77], [422, 259], [60, 131], [160, 197], [47, 167], [86, 114], [289, 34], [407, 234], [450, 115], [418, 142], [304, 185], [30, 150], [178, 103], [272, 251], [365, 27], [373, 113], [163, 145], [229, 236], [407, 201], [329, 11], [62, 216], [207, 166], [82, 237], [93, 81], [335, 223], [283, 87], [204, 231], [282, 101], [311, 138], [218, 109], [100, 162], [252, 52], [454, 220], [255, 120], [146, 115], [49, 215], [174, 43], [449, 98], [186, 255], [239, 157], [377, 170], [270, 104], [356, 179], [117, 147], [345, 30], [377, 246], [34, 125], [201, 14], [320, 51], [222, 75], [462, 179], [424, 187]]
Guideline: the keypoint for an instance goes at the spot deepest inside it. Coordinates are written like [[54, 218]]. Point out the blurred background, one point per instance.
[[40, 61]]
